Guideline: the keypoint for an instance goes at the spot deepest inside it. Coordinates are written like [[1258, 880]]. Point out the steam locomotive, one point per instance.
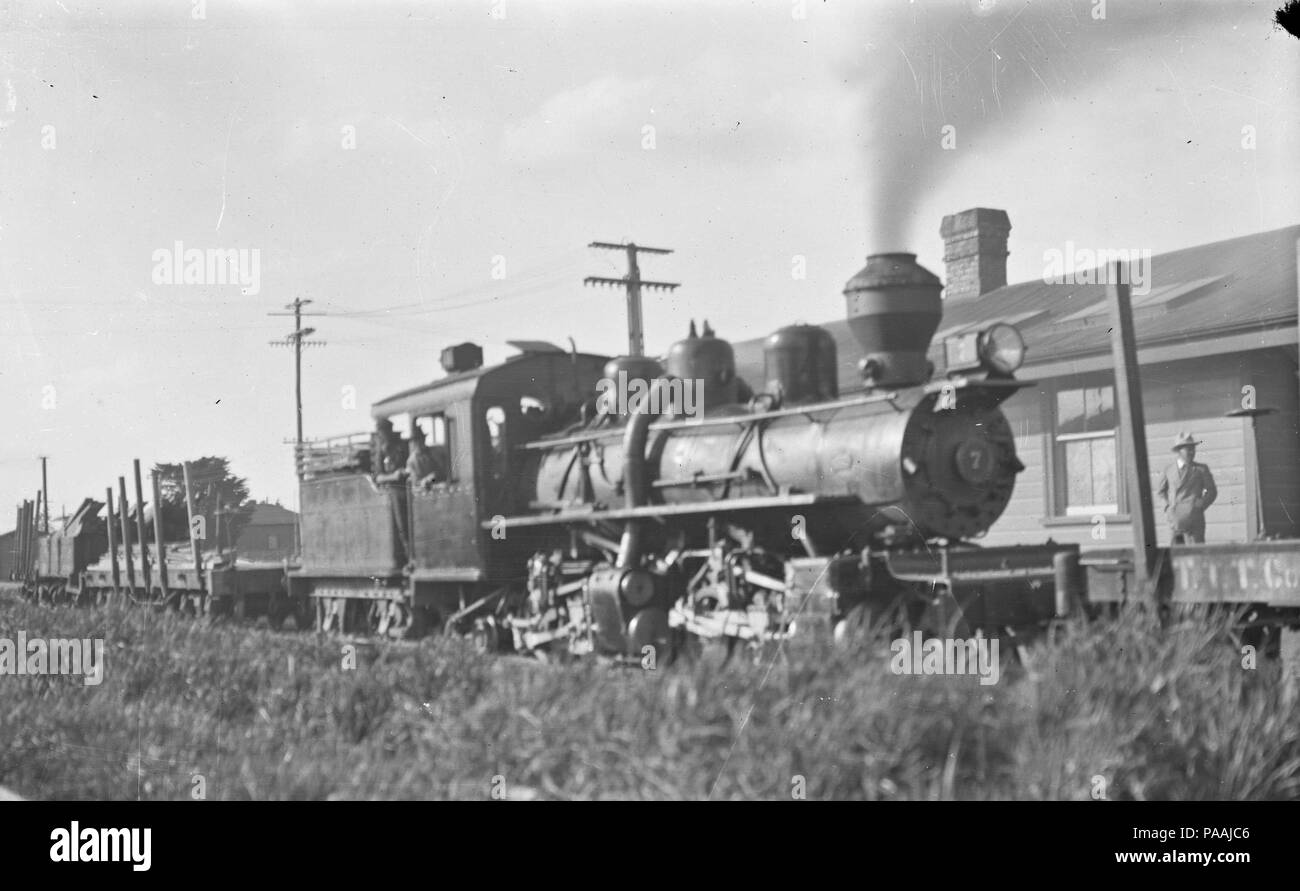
[[561, 522]]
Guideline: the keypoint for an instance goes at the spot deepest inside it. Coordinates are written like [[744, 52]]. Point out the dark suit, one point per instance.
[[1187, 491]]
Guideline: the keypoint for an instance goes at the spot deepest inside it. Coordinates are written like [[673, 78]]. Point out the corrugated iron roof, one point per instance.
[[1197, 293]]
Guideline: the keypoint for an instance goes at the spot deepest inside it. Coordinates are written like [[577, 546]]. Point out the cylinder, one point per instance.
[[801, 365]]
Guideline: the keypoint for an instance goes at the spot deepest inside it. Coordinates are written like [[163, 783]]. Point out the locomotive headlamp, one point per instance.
[[1001, 348]]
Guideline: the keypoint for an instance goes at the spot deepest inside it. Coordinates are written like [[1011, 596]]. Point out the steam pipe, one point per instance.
[[635, 483]]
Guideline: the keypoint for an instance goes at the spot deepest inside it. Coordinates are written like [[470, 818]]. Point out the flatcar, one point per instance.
[[80, 562]]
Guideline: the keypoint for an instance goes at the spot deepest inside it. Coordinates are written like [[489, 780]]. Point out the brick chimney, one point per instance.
[[975, 251]]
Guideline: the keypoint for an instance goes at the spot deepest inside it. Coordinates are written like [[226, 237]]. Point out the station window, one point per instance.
[[1085, 447]]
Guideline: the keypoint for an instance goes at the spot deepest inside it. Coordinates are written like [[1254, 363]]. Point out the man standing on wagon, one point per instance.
[[1187, 489]]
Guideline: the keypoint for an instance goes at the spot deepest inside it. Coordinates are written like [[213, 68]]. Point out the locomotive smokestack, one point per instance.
[[893, 311]]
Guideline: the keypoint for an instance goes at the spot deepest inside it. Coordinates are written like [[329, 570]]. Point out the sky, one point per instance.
[[430, 173]]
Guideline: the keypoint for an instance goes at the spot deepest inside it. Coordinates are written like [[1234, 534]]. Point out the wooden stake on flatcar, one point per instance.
[[29, 525], [159, 541], [36, 540], [20, 569], [146, 577], [33, 539], [20, 542], [189, 510], [45, 496], [112, 542], [24, 539], [126, 535], [18, 538]]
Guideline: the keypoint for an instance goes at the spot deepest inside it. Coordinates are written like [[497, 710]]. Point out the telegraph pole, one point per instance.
[[633, 283], [297, 339]]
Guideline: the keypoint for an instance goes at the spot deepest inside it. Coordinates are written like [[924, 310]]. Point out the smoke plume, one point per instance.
[[943, 79]]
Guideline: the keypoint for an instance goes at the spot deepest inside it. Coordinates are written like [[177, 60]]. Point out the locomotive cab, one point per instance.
[[403, 554]]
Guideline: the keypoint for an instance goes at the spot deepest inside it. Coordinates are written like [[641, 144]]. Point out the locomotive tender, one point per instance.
[[558, 524]]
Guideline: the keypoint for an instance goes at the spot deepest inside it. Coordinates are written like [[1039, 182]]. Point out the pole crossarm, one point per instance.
[[621, 282], [297, 339], [633, 283], [640, 249]]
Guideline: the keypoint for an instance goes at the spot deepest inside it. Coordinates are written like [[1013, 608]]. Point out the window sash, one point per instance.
[[1059, 489]]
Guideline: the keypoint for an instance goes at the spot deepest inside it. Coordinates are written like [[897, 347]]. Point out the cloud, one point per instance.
[[605, 113], [715, 109]]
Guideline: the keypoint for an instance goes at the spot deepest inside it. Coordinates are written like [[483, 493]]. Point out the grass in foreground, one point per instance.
[[1155, 714]]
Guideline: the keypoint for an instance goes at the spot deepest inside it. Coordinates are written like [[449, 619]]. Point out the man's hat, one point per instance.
[[1185, 439]]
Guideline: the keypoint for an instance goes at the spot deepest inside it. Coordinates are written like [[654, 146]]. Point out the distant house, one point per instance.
[[1216, 329], [271, 533]]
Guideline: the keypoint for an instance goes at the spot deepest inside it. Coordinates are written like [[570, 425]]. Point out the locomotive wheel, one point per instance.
[[391, 618], [649, 628], [486, 635], [331, 614], [304, 613], [683, 645], [326, 615], [856, 628]]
